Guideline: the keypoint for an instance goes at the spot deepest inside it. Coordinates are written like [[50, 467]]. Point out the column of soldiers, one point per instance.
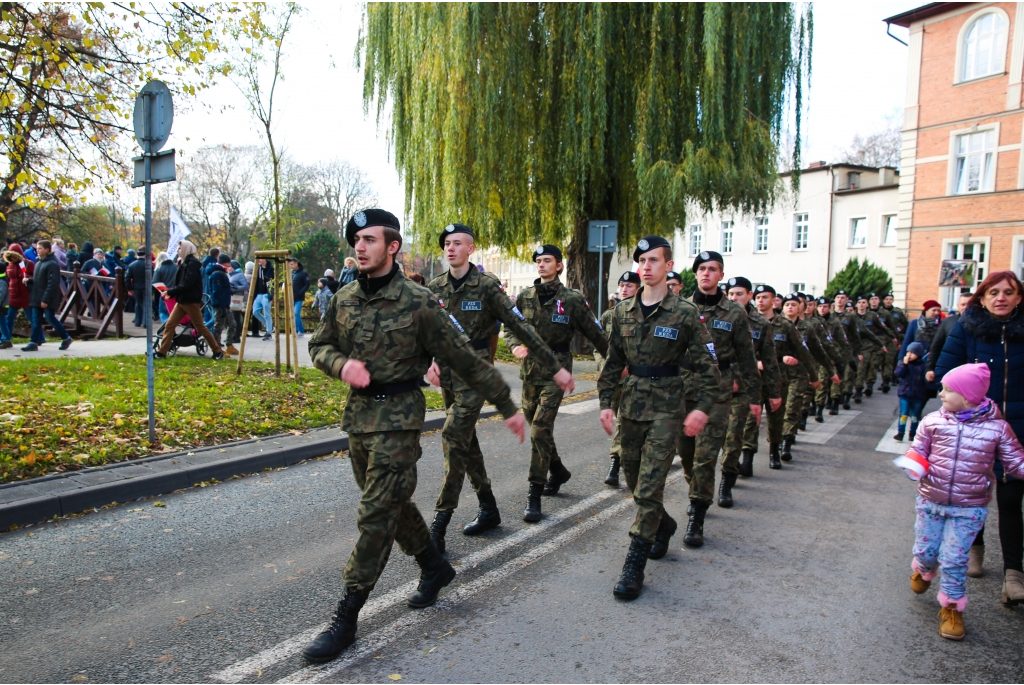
[[688, 376]]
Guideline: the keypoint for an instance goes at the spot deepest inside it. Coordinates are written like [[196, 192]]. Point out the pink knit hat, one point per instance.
[[969, 380]]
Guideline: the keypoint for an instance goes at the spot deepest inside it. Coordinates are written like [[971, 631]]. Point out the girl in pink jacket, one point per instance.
[[953, 455]]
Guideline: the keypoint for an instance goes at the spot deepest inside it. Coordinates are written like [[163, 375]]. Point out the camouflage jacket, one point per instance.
[[729, 326], [900, 317], [764, 350], [556, 320], [790, 343], [825, 336], [850, 324], [833, 323], [606, 326], [874, 334], [671, 333], [814, 344], [890, 323], [477, 305], [396, 332]]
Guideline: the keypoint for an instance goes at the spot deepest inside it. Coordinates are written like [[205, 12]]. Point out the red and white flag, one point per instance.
[[559, 307]]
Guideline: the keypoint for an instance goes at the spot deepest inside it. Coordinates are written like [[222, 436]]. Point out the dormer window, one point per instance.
[[854, 180]]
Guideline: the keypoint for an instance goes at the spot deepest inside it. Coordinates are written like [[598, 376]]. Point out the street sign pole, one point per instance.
[[600, 278], [148, 313], [601, 236]]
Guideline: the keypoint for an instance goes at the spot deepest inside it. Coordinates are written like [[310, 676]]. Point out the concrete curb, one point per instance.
[[193, 470]]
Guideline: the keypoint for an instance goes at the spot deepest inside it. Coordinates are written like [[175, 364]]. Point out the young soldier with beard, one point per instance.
[[556, 313], [379, 335], [477, 302], [739, 456], [831, 392], [651, 334], [728, 324]]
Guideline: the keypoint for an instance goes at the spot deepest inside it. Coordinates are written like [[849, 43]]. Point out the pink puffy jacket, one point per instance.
[[961, 454]]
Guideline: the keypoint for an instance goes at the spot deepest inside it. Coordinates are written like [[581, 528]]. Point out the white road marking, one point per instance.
[[374, 642], [580, 407], [820, 433], [237, 672], [891, 446]]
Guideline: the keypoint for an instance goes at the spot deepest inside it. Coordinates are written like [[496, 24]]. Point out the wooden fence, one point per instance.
[[97, 300]]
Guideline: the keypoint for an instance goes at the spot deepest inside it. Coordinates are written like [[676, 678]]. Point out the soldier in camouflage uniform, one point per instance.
[[728, 324], [476, 300], [651, 335], [737, 451], [629, 282], [895, 332], [874, 335], [379, 334], [675, 283], [556, 313], [820, 345], [837, 334], [848, 318]]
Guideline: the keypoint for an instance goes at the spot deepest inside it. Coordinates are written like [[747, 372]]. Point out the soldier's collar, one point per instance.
[[710, 300], [388, 286]]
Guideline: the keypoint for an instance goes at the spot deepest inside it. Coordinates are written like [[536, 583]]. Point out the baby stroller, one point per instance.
[[186, 334]]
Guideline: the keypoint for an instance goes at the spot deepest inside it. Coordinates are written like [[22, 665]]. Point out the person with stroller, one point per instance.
[[187, 292]]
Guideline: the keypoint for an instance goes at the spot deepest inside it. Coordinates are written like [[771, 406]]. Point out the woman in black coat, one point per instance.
[[187, 292], [991, 331]]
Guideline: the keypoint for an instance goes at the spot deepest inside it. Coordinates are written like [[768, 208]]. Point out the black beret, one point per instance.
[[369, 217], [849, 304], [451, 229], [824, 300], [707, 256], [792, 297], [647, 244], [630, 277], [872, 294], [861, 297], [889, 294], [765, 288], [547, 250], [740, 282], [673, 275], [842, 292]]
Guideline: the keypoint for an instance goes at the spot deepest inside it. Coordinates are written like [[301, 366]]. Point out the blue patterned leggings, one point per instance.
[[943, 536]]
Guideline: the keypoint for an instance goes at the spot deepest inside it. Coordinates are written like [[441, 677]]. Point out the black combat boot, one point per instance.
[[666, 529], [846, 401], [885, 386], [532, 513], [631, 582], [787, 447], [613, 473], [818, 414], [773, 457], [340, 633], [725, 490], [746, 465], [833, 407], [802, 425], [438, 527], [488, 516], [435, 573], [558, 475], [869, 390], [694, 536], [857, 395]]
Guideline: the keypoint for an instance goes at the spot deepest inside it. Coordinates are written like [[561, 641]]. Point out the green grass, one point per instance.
[[75, 413], [503, 355]]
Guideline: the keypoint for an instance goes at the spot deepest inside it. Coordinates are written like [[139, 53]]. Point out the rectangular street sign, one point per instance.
[[602, 236], [161, 168]]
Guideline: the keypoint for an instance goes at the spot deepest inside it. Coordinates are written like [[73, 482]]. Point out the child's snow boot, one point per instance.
[[920, 581], [951, 621]]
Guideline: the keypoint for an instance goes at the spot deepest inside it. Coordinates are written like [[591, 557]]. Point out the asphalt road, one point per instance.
[[805, 579]]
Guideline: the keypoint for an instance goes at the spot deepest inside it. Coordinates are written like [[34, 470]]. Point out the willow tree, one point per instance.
[[527, 120]]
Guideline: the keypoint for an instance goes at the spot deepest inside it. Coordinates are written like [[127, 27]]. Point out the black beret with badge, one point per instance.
[[741, 282], [707, 256], [861, 297], [673, 276], [369, 217], [872, 294], [824, 300], [765, 288], [889, 294], [647, 244], [842, 292], [549, 250], [452, 229], [630, 277], [792, 297]]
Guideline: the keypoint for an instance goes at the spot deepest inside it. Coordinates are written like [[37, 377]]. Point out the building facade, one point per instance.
[[962, 181]]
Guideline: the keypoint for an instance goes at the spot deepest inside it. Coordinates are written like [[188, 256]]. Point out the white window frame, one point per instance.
[[948, 296], [758, 226], [1017, 256], [849, 232], [884, 223], [798, 287], [696, 240], [958, 66], [806, 223], [954, 139], [728, 230]]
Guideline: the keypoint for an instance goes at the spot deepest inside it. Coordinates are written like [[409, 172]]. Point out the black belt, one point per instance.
[[484, 344], [381, 391], [654, 371], [687, 365], [564, 349]]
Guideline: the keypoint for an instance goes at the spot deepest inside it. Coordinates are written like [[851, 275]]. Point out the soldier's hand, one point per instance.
[[930, 376], [434, 375], [884, 348], [790, 361], [860, 357], [735, 387], [760, 366], [816, 385], [520, 351], [355, 374], [836, 378], [695, 422], [774, 403], [517, 424], [608, 420], [565, 381], [755, 411]]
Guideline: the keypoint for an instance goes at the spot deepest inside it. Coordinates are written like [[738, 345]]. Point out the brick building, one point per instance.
[[962, 167]]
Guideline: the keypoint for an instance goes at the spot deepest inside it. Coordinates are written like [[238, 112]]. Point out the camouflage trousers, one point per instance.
[[540, 407], [850, 376], [462, 455], [828, 389], [889, 363], [700, 454], [734, 434], [617, 434], [648, 448], [867, 371], [795, 403], [751, 429], [384, 465]]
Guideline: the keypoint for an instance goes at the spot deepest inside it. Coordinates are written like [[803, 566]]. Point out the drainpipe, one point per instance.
[[831, 204]]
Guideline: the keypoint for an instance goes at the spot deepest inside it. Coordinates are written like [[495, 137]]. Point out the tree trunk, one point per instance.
[[581, 274]]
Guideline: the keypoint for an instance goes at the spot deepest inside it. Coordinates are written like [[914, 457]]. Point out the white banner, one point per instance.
[[179, 231]]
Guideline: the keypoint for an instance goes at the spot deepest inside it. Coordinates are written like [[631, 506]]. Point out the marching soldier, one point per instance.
[[737, 450], [476, 300], [728, 324], [629, 282], [828, 359], [555, 312], [873, 340], [847, 318], [837, 334], [650, 337], [894, 331], [379, 335]]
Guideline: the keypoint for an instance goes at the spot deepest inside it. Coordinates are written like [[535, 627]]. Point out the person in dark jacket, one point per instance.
[[135, 282], [188, 295], [44, 299], [73, 256], [913, 388], [332, 283], [923, 328], [85, 254], [17, 269], [114, 260], [943, 332], [264, 275], [300, 285], [166, 270], [132, 256], [220, 301], [991, 330]]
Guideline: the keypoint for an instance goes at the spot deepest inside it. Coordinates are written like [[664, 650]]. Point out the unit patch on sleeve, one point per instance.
[[457, 324], [711, 351], [515, 310], [755, 334]]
